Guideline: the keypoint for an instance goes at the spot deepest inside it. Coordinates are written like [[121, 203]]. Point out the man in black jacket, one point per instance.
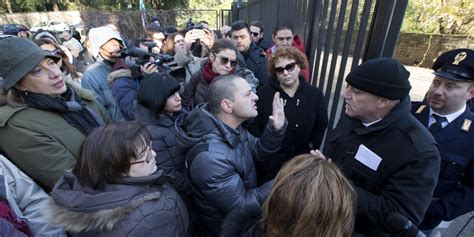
[[392, 160], [220, 153], [254, 56]]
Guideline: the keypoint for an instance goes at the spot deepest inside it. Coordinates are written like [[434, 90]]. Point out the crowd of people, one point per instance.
[[201, 132]]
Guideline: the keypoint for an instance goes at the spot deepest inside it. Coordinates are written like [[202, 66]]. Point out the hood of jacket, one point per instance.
[[199, 125], [80, 208]]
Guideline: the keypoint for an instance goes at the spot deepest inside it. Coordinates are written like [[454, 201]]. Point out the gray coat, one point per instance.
[[222, 175], [143, 206]]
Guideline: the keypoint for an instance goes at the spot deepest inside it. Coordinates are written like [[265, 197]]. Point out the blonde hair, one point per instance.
[[310, 197]]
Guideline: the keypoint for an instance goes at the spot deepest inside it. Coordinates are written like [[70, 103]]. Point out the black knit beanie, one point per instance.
[[385, 77], [155, 90]]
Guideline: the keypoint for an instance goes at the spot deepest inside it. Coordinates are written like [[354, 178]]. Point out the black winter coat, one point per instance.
[[406, 176], [256, 62], [222, 174], [306, 113], [163, 136]]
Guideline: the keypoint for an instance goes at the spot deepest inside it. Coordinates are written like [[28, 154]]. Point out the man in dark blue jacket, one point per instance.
[[449, 120], [254, 56], [220, 153]]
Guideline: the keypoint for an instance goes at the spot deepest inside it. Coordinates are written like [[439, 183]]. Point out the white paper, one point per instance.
[[368, 157]]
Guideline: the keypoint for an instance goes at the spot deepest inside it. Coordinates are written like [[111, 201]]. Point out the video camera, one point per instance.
[[142, 57]]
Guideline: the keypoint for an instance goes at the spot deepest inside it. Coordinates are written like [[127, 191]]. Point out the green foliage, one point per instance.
[[439, 17]]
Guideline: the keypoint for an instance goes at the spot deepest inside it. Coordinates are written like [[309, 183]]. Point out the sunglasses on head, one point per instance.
[[289, 68], [226, 60], [255, 34]]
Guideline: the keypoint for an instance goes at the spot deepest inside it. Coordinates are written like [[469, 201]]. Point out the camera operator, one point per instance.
[[127, 74]]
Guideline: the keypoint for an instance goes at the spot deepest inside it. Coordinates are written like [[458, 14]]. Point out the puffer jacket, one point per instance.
[[196, 91], [163, 137], [221, 167], [137, 206], [124, 89], [41, 143]]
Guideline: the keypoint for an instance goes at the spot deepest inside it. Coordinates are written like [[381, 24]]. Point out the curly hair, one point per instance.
[[288, 52], [310, 197]]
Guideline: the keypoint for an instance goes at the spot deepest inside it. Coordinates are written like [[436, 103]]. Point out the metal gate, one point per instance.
[[338, 35]]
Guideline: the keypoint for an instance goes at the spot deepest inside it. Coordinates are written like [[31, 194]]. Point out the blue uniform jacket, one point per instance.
[[454, 193]]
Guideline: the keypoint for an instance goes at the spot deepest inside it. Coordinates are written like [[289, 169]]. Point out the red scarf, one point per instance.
[[209, 75]]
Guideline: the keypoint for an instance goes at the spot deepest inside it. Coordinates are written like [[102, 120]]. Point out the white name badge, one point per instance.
[[368, 157]]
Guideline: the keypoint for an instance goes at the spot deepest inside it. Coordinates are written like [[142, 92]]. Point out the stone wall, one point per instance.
[[32, 19], [415, 49]]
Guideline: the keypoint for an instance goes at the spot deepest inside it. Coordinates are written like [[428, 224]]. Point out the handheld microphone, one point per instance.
[[401, 226]]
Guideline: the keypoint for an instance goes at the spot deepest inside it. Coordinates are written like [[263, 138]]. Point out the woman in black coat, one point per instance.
[[304, 104], [158, 105]]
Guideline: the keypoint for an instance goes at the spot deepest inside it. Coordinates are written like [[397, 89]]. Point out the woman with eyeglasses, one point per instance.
[[44, 119], [115, 189], [69, 70], [222, 60], [186, 64], [305, 108]]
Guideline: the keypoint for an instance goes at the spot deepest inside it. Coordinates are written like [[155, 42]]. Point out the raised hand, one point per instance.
[[277, 119]]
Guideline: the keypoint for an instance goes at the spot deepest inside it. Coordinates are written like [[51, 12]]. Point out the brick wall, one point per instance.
[[412, 47]]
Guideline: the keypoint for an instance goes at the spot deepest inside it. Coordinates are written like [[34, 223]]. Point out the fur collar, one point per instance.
[[100, 221], [121, 73]]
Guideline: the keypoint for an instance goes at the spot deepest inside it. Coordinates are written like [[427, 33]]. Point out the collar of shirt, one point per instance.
[[368, 124], [450, 117]]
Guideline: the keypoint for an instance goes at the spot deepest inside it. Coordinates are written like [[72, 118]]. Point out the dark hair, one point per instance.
[[222, 87], [106, 153], [222, 44], [168, 47], [67, 67], [288, 52], [283, 26], [257, 24], [309, 197], [155, 90], [239, 25]]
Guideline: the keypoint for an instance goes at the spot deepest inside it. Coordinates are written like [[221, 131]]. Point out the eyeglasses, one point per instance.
[[289, 68], [147, 157], [226, 60], [255, 34]]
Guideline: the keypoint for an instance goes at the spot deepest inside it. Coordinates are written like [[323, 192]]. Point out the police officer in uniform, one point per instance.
[[254, 56], [449, 120]]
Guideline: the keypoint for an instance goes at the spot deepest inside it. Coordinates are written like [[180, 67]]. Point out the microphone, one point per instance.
[[401, 226]]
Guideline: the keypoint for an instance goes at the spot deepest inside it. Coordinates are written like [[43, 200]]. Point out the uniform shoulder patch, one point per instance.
[[420, 109], [466, 125]]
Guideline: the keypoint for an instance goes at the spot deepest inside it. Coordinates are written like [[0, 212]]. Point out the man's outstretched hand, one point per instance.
[[277, 119]]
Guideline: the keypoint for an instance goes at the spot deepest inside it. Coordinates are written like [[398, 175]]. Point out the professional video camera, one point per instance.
[[142, 57]]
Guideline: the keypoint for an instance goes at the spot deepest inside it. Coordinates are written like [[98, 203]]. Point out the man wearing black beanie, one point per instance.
[[391, 159]]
